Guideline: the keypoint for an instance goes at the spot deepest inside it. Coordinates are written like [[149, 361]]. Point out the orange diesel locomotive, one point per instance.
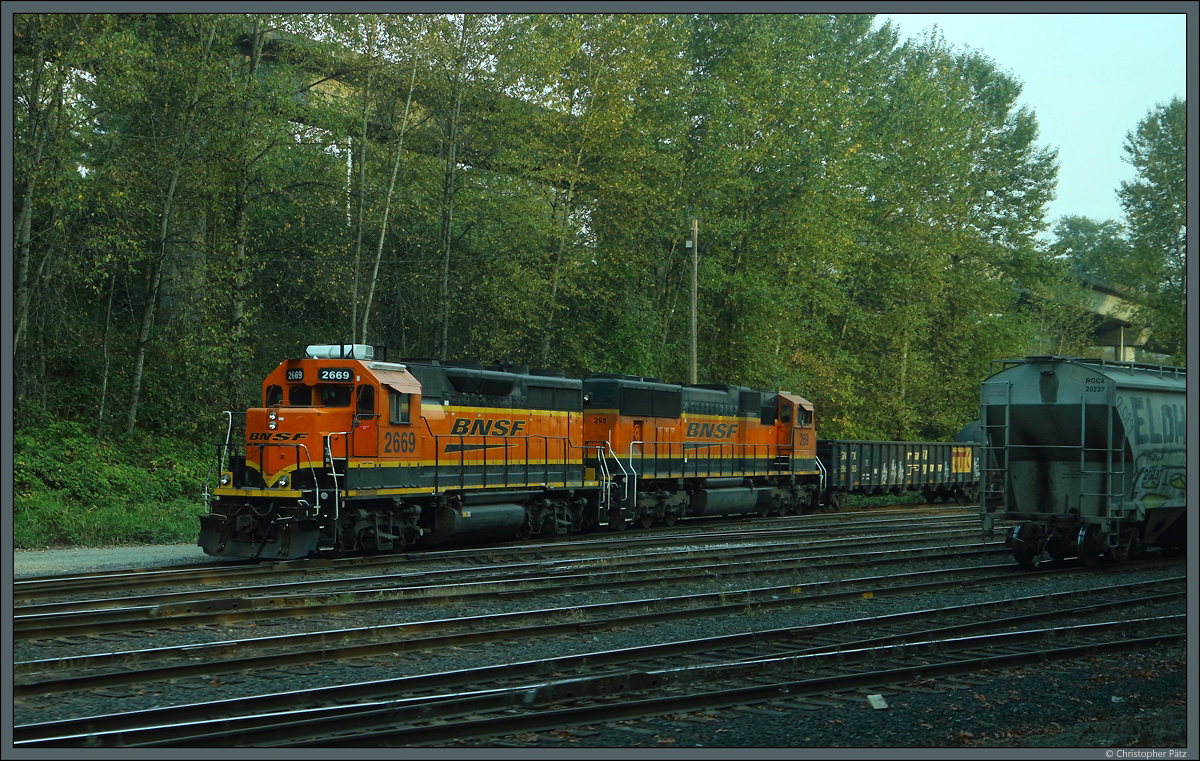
[[350, 453]]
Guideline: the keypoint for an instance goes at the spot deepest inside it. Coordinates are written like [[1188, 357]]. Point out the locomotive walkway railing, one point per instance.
[[675, 459], [507, 470]]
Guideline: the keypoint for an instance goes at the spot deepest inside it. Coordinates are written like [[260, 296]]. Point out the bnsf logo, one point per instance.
[[275, 436], [710, 430], [486, 427]]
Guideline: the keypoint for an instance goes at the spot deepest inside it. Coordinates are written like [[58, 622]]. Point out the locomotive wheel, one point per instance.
[[1090, 546]]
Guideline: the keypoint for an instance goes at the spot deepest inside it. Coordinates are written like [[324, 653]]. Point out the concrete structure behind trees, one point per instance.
[[1116, 327]]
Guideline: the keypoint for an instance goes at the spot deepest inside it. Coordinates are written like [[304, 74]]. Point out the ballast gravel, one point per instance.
[[1119, 701]]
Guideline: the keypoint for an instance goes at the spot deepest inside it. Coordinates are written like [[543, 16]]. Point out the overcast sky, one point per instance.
[[1090, 78]]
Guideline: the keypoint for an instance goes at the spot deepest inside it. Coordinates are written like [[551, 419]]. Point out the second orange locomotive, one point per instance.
[[350, 453]]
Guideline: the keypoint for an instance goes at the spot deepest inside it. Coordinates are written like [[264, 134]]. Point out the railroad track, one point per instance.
[[796, 528], [300, 599], [440, 578], [753, 667], [95, 670]]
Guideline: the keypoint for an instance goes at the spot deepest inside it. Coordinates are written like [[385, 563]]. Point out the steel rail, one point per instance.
[[231, 610], [35, 587], [204, 597], [464, 631], [544, 693]]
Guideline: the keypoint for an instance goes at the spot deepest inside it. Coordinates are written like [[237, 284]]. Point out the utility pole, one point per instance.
[[694, 244]]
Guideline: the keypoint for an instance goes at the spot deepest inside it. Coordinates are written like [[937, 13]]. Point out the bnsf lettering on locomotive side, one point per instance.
[[483, 427], [710, 430], [267, 436]]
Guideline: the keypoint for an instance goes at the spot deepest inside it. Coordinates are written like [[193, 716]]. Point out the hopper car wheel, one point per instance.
[[647, 520], [1024, 548], [669, 519], [1090, 546]]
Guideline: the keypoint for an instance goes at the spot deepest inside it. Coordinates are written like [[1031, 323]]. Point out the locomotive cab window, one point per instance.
[[785, 414], [398, 408], [364, 401], [300, 396], [334, 396], [803, 417], [273, 396]]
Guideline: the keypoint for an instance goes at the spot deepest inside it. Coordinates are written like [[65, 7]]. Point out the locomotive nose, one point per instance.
[[280, 441]]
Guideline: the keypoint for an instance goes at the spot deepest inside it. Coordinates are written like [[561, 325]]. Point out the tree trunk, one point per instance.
[[154, 280], [387, 206], [112, 287], [40, 122], [362, 189]]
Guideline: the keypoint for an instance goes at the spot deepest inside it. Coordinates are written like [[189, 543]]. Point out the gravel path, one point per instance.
[[83, 559]]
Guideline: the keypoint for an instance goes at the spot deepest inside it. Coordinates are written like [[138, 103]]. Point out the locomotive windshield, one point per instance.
[[300, 396], [327, 396], [334, 396]]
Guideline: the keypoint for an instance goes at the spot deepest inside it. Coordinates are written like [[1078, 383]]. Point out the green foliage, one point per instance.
[[71, 488], [1155, 205]]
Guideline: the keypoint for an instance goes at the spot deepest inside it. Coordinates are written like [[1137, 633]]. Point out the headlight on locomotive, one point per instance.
[[282, 482], [225, 478]]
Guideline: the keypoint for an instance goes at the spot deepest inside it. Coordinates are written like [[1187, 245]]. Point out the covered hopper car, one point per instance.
[[1086, 456]]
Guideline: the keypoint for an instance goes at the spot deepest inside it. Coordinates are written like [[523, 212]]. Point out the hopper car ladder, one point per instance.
[[1112, 472], [994, 468]]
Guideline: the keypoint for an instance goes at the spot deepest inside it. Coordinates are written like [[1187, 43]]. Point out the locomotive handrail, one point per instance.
[[334, 474], [229, 428], [313, 471], [822, 478], [740, 456], [483, 462]]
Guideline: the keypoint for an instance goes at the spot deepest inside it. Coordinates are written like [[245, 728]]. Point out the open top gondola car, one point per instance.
[[1088, 456], [938, 469]]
